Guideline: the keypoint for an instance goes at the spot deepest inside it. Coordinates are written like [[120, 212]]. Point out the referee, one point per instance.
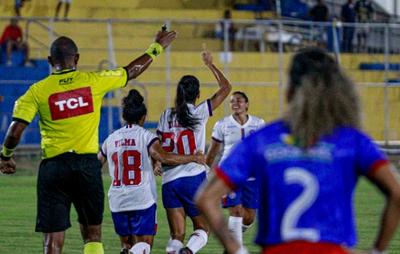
[[68, 102]]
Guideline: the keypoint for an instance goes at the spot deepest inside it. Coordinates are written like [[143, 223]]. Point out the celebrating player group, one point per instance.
[[299, 172]]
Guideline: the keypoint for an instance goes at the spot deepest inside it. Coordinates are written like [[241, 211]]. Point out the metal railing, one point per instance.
[[110, 40]]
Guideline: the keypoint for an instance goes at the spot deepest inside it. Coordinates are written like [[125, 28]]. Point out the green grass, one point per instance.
[[18, 211]]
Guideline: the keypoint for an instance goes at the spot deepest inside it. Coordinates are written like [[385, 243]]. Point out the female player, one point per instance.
[[132, 194], [229, 131], [182, 129], [307, 165]]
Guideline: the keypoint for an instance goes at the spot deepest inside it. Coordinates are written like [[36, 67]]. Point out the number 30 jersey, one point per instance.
[[306, 194], [180, 140], [133, 185]]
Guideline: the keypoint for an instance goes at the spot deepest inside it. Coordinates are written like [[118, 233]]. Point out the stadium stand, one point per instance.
[[258, 74]]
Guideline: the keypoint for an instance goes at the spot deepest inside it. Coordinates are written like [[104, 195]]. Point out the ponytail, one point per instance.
[[187, 91]]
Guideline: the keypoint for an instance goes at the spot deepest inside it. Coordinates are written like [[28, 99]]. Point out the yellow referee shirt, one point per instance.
[[68, 104]]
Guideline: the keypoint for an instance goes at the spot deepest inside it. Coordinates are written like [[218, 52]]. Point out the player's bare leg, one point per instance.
[[91, 235], [249, 216], [126, 243], [53, 242], [177, 223], [142, 244], [199, 238]]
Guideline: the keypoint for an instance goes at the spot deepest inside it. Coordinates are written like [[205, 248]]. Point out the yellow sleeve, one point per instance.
[[111, 79], [26, 107]]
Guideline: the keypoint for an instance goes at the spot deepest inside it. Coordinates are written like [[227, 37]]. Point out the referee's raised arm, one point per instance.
[[136, 67]]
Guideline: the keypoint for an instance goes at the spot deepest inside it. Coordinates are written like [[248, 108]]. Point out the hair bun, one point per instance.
[[135, 98]]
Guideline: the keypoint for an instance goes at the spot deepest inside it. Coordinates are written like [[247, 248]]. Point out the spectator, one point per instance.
[[348, 15], [364, 11], [66, 10], [320, 13], [18, 5], [226, 24], [12, 40]]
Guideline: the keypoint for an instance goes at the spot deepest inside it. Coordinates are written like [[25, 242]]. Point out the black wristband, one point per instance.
[[4, 158]]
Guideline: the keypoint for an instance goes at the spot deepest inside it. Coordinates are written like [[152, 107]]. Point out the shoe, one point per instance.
[[8, 63], [185, 250], [124, 251]]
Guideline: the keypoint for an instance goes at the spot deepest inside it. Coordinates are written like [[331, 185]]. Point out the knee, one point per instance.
[[53, 242], [236, 211], [249, 217]]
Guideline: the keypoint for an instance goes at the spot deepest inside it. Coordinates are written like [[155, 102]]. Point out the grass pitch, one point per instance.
[[18, 211]]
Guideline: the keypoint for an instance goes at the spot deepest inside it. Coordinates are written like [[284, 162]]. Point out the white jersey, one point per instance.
[[133, 185], [181, 140], [229, 132]]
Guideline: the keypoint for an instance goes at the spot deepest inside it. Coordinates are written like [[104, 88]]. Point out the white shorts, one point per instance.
[[65, 1]]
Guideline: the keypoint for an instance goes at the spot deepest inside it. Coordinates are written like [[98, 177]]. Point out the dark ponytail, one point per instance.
[[133, 108], [186, 92]]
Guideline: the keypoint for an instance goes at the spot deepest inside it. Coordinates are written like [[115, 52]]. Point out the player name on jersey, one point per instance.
[[125, 142]]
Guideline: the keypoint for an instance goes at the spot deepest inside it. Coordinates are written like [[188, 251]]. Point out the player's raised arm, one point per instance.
[[385, 178], [14, 133], [160, 155], [223, 83], [136, 67], [212, 152]]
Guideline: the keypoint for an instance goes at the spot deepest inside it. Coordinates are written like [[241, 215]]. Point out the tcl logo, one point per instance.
[[71, 103]]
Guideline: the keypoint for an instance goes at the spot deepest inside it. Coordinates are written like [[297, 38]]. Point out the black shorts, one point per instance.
[[67, 179]]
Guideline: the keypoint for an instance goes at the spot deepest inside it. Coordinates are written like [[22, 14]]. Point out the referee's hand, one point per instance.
[[7, 166], [165, 38]]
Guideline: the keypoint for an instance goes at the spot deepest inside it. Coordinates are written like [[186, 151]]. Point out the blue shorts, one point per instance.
[[247, 196], [140, 222], [181, 192]]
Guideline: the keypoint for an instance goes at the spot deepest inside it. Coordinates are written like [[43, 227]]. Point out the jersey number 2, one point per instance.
[[131, 173], [299, 206], [184, 142]]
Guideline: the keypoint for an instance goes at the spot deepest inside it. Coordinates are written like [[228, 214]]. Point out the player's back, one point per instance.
[[65, 100], [181, 140], [306, 194], [133, 184]]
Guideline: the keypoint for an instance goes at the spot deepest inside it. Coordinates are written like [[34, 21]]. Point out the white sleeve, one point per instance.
[[217, 133], [150, 139]]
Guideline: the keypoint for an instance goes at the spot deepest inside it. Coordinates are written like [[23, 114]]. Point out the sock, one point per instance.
[[140, 248], [246, 227], [173, 246], [197, 240], [93, 248], [235, 226]]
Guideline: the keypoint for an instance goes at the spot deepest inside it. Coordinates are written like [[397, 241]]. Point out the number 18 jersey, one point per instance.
[[180, 140], [305, 194], [133, 185]]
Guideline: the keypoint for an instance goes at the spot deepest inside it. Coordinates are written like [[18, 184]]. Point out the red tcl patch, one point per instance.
[[71, 103]]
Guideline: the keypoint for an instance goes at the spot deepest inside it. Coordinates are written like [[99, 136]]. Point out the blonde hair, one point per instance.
[[320, 96]]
